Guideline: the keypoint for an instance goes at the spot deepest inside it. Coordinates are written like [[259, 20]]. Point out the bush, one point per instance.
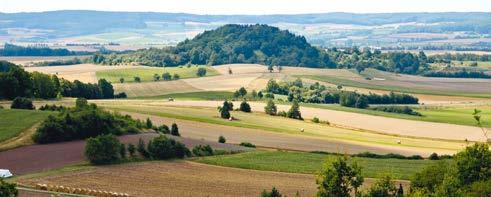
[[102, 149], [166, 148], [397, 109], [176, 76], [315, 120], [434, 156], [270, 108], [131, 150], [52, 108], [8, 189], [174, 130], [294, 111], [247, 144], [22, 103], [202, 150], [121, 95], [122, 151], [245, 107], [274, 193], [221, 139], [142, 149], [164, 129], [201, 72], [148, 123], [137, 79]]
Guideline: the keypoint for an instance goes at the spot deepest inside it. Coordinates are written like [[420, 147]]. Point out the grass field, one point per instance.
[[283, 125], [312, 163], [146, 74], [23, 120]]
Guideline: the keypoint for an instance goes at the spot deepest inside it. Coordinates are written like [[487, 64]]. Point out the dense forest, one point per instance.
[[16, 82], [14, 50]]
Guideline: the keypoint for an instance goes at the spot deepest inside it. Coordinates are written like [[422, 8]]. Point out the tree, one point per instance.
[[81, 103], [131, 150], [176, 76], [148, 123], [254, 94], [274, 193], [270, 68], [294, 111], [242, 92], [156, 77], [8, 189], [106, 88], [166, 148], [201, 72], [245, 107], [473, 164], [166, 76], [103, 149], [202, 150], [384, 187], [260, 94], [339, 179], [225, 109], [221, 139], [174, 130], [43, 86], [137, 79], [142, 149], [270, 108], [121, 80], [122, 151], [22, 103]]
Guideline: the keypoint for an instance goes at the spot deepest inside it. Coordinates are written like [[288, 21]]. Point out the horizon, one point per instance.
[[250, 7]]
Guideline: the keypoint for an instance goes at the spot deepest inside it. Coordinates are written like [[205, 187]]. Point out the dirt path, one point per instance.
[[36, 158], [236, 135], [163, 178], [368, 122]]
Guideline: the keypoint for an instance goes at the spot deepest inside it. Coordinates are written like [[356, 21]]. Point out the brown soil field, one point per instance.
[[367, 122], [37, 158], [268, 139], [175, 178]]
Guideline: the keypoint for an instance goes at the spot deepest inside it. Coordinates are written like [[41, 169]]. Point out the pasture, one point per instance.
[[312, 163], [146, 73], [23, 120]]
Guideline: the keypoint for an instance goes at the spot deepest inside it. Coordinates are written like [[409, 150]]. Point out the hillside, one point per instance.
[[258, 44]]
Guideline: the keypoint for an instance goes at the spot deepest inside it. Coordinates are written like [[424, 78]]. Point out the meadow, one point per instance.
[[312, 163], [23, 119], [146, 73]]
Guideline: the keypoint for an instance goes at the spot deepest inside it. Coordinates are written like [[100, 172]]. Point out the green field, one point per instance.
[[352, 83], [311, 163], [280, 124], [146, 74], [23, 120], [205, 95]]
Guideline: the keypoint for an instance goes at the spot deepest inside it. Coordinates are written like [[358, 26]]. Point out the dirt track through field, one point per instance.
[[36, 158], [236, 135], [368, 122], [164, 178]]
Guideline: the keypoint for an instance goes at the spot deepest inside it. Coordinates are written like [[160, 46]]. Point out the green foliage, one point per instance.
[[202, 150], [201, 72], [315, 120], [339, 179], [142, 149], [53, 107], [106, 89], [177, 77], [274, 193], [14, 81], [148, 123], [137, 79], [122, 151], [247, 144], [174, 130], [103, 149], [225, 109], [164, 129], [167, 76], [166, 148], [15, 50], [270, 108], [43, 86], [221, 139], [22, 103], [242, 92], [245, 107], [473, 164], [8, 189], [131, 150], [83, 122], [396, 109], [294, 111], [383, 187]]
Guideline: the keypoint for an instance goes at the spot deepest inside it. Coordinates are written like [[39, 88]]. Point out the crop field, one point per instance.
[[149, 89], [146, 73], [206, 95], [82, 72], [23, 119], [26, 60], [312, 163], [288, 126]]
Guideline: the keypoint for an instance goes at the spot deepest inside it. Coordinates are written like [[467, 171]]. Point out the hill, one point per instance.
[[257, 44]]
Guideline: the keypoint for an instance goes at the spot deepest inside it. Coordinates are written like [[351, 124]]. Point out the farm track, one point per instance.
[[37, 158]]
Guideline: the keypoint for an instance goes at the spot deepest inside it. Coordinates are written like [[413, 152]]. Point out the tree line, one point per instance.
[[14, 50]]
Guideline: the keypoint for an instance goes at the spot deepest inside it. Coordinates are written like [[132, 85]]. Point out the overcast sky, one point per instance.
[[249, 6]]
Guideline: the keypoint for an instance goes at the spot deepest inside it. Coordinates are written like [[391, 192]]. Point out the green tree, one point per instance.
[[43, 86], [274, 193], [103, 149], [81, 103], [270, 68], [245, 107], [137, 79], [260, 94], [201, 72], [156, 77], [270, 108], [22, 103], [174, 130], [142, 149], [222, 139], [338, 179], [242, 92], [121, 80], [474, 163], [384, 187], [294, 111], [8, 189], [131, 150], [148, 123], [166, 76], [166, 148], [176, 76], [225, 109], [122, 151], [106, 88]]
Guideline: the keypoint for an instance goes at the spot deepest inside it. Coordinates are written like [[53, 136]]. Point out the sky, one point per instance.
[[250, 7]]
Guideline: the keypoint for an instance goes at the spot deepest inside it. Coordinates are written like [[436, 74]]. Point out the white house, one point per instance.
[[4, 173]]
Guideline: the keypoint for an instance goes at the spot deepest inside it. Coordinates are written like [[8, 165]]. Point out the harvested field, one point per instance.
[[27, 60], [81, 72], [37, 158], [175, 178], [154, 88], [146, 73], [367, 122]]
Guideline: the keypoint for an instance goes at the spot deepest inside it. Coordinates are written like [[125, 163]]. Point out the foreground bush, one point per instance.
[[83, 122], [274, 193], [8, 189], [22, 103], [166, 148], [104, 149]]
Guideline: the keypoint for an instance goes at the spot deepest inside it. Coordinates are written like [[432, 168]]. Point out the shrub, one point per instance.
[[397, 109], [294, 111], [270, 108], [274, 193], [315, 120], [245, 107], [8, 189], [434, 156], [383, 187], [282, 113], [176, 76], [121, 95], [148, 123], [221, 139], [202, 150], [174, 130], [387, 156], [137, 79], [201, 72], [122, 151], [166, 148], [166, 76], [247, 144], [52, 108], [121, 80], [22, 103], [103, 149], [163, 129], [131, 150], [142, 149]]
